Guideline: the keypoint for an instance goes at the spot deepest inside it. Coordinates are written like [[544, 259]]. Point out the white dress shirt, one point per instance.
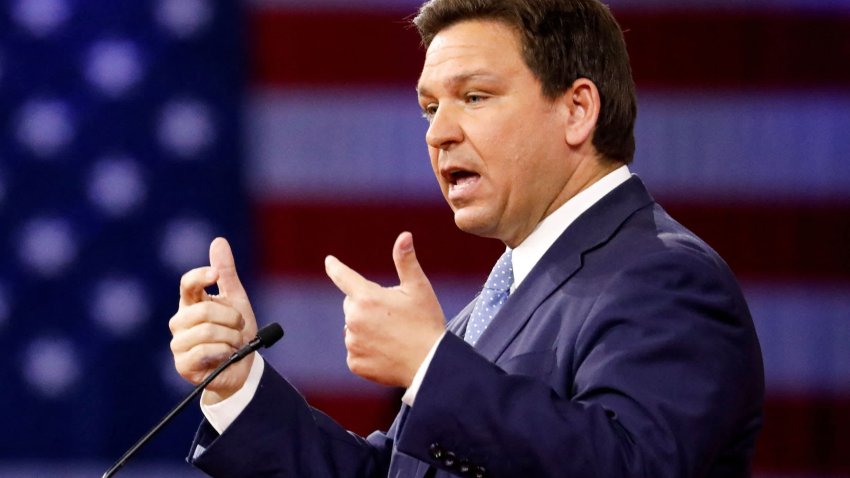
[[525, 256]]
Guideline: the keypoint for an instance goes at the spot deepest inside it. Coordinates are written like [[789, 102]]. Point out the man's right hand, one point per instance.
[[207, 329]]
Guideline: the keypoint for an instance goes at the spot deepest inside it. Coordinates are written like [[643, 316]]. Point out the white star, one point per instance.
[[41, 17], [116, 185], [186, 128], [47, 246], [184, 18], [114, 66], [45, 126], [119, 305], [51, 366], [185, 243]]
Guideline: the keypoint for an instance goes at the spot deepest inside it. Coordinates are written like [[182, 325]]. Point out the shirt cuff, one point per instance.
[[222, 414], [410, 394]]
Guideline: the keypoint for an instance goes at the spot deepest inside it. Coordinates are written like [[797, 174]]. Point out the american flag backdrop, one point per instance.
[[132, 133]]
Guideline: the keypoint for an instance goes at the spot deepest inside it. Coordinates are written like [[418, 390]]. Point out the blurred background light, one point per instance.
[[41, 17], [45, 126], [184, 18], [47, 246], [114, 66], [185, 243], [116, 185], [120, 305], [186, 128], [51, 366]]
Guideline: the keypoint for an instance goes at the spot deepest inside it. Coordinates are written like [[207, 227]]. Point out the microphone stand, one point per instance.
[[265, 338]]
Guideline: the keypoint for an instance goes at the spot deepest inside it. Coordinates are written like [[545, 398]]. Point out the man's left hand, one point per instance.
[[389, 331]]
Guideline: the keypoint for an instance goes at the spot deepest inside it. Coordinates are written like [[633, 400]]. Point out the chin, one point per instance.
[[475, 224]]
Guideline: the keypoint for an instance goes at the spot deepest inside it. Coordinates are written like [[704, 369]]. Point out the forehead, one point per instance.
[[472, 48]]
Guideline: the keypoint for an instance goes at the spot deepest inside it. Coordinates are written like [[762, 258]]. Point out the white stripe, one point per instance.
[[804, 334], [332, 144], [324, 144], [804, 331], [745, 144], [312, 354]]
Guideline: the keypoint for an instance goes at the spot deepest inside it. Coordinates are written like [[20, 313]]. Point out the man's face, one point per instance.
[[497, 145]]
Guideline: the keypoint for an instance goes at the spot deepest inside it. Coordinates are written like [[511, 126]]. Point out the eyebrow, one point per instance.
[[459, 79]]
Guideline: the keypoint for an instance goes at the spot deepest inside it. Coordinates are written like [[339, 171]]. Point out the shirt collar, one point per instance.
[[526, 255]]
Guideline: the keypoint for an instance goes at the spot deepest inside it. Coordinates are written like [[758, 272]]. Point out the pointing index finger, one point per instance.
[[345, 278]]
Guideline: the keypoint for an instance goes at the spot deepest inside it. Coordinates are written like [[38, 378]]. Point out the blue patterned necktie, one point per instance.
[[494, 294]]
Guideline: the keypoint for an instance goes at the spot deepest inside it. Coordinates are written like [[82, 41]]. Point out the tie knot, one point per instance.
[[502, 276]]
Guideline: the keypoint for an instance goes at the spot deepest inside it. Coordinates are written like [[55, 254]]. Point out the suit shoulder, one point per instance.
[[654, 236]]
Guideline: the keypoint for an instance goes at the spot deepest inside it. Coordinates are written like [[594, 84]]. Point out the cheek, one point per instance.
[[520, 175]]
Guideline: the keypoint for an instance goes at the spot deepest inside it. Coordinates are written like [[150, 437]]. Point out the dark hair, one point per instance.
[[562, 41]]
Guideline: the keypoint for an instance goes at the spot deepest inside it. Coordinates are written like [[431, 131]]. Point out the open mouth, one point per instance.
[[461, 177], [458, 177]]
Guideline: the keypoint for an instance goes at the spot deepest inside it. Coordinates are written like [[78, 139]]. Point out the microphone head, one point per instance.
[[270, 334]]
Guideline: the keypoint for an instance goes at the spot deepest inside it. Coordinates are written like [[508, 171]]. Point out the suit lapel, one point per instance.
[[457, 325], [559, 263]]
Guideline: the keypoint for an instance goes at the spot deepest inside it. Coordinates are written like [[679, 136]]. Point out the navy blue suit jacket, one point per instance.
[[628, 351]]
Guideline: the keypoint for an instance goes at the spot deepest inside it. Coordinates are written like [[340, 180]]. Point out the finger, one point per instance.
[[345, 278], [193, 283], [206, 312], [409, 271], [195, 363], [221, 260], [205, 333]]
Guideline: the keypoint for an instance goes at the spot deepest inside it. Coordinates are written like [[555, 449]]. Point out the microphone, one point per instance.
[[266, 337]]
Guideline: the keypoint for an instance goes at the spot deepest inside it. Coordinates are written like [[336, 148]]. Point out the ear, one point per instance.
[[583, 104]]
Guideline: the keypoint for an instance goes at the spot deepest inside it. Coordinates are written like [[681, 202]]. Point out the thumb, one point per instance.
[[221, 259], [409, 271]]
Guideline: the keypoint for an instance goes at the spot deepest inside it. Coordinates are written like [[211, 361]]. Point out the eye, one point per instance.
[[474, 98], [429, 110]]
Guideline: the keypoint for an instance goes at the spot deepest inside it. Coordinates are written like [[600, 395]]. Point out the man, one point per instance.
[[609, 341]]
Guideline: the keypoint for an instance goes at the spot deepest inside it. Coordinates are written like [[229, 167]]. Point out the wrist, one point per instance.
[[225, 387], [413, 388], [426, 351]]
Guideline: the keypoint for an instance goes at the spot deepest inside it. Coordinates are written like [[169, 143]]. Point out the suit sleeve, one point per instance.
[[280, 435], [666, 369]]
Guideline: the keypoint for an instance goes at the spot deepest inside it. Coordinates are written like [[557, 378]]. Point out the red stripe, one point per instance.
[[295, 238], [668, 49], [361, 414], [759, 241], [333, 48], [738, 50], [767, 241], [805, 435]]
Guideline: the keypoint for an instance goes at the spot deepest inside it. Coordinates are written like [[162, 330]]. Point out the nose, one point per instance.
[[445, 129]]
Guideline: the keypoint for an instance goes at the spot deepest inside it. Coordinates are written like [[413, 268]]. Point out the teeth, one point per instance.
[[464, 181], [457, 176]]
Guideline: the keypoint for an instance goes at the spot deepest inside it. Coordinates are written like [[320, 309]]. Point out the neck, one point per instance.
[[588, 171]]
